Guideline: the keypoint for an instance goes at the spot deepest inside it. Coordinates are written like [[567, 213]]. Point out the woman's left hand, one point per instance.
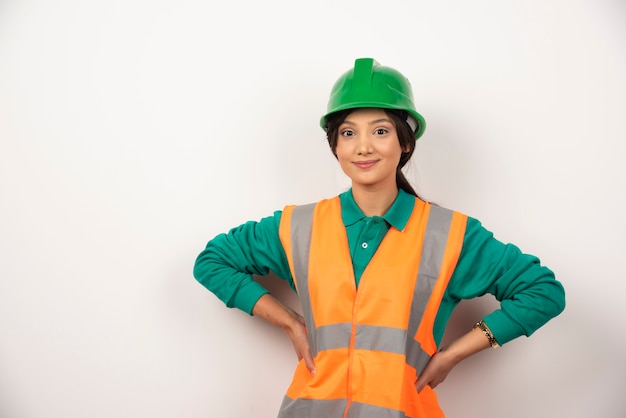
[[436, 371], [445, 359]]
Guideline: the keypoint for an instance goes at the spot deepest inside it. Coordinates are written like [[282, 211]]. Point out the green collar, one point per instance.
[[397, 215]]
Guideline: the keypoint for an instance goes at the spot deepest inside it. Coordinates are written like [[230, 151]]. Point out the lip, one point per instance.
[[364, 165]]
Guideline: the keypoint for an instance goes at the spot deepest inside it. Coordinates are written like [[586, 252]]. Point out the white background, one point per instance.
[[131, 132]]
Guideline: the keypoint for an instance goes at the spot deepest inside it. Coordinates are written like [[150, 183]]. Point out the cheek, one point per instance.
[[395, 152], [341, 152], [343, 160]]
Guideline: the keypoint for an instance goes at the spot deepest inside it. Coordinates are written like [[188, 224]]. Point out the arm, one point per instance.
[[528, 292], [226, 267], [229, 261]]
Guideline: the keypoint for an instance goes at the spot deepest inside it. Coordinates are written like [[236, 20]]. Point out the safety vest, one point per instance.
[[369, 344]]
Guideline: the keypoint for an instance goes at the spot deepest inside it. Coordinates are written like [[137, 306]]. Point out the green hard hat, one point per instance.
[[370, 84]]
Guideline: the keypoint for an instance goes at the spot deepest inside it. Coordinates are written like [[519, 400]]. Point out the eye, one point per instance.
[[346, 132], [381, 131]]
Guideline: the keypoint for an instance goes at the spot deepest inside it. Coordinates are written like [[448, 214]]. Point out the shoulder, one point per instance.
[[445, 215], [307, 210], [335, 200]]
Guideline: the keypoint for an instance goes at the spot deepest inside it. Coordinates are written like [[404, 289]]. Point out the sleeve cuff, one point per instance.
[[248, 296], [503, 328]]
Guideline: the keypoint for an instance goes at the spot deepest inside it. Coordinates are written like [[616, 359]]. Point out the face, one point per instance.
[[368, 149]]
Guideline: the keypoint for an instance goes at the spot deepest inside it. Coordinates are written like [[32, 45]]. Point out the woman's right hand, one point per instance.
[[300, 340], [274, 312]]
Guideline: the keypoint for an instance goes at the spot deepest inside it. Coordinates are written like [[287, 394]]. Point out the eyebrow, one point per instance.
[[369, 123]]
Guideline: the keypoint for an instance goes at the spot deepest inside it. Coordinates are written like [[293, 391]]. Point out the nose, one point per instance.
[[364, 145]]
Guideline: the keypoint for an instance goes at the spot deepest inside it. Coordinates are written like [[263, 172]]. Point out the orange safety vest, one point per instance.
[[369, 344]]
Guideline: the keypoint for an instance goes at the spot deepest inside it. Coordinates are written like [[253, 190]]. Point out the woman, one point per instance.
[[378, 270]]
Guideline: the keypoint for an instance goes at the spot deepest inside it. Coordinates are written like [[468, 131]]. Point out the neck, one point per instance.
[[374, 202]]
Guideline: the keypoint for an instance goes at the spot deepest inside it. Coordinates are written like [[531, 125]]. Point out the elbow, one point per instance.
[[557, 299], [560, 302], [200, 268]]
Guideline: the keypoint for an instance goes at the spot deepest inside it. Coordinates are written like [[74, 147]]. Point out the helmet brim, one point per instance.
[[421, 122]]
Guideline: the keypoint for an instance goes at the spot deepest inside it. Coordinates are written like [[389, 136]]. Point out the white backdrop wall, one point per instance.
[[133, 131]]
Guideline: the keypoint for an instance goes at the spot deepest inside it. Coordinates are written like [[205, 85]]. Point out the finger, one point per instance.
[[308, 361], [419, 385], [422, 383], [426, 378]]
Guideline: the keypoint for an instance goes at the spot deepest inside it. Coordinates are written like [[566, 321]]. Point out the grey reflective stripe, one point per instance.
[[362, 410], [435, 241], [300, 233], [314, 408], [333, 336], [415, 356], [368, 337]]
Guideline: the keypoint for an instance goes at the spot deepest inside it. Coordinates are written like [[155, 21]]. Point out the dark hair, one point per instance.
[[406, 137]]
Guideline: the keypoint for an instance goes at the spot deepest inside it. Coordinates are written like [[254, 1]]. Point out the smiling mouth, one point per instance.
[[365, 164]]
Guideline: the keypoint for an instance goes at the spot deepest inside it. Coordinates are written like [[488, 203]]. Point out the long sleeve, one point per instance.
[[227, 264], [528, 292]]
